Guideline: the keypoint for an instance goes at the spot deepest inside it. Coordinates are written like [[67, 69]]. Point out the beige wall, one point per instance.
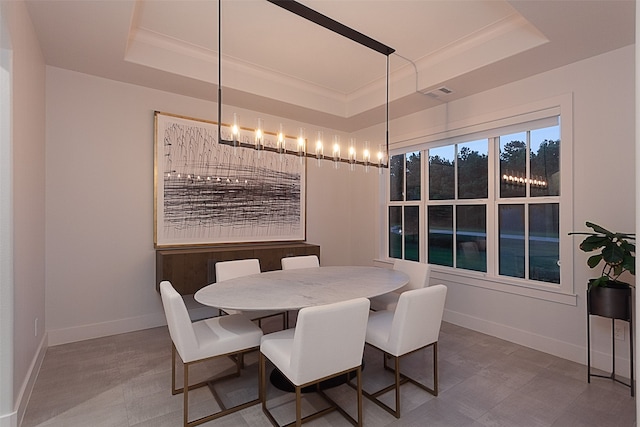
[[637, 180], [99, 199], [99, 163], [100, 255], [603, 123], [28, 174]]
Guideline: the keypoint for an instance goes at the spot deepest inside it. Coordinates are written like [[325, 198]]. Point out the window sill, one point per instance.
[[440, 274], [502, 284]]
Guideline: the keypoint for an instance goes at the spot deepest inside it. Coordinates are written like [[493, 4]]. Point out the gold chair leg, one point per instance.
[[400, 379], [174, 391], [435, 369], [298, 406], [359, 378], [333, 406], [185, 387], [397, 379]]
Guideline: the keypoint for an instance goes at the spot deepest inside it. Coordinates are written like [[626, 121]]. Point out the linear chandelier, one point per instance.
[[517, 180], [300, 142]]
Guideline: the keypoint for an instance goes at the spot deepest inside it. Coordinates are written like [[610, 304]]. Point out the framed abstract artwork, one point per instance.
[[209, 193]]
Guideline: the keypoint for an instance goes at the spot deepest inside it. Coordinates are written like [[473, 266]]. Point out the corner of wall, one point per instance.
[[30, 380], [9, 420], [103, 329]]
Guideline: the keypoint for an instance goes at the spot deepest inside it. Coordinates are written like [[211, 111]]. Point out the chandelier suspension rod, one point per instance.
[[219, 70], [387, 113]]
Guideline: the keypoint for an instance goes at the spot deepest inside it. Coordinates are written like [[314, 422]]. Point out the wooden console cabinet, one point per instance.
[[189, 269]]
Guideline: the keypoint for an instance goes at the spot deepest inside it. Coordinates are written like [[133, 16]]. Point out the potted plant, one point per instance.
[[606, 295]]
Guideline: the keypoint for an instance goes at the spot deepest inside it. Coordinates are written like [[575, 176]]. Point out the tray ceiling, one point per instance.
[[277, 62]]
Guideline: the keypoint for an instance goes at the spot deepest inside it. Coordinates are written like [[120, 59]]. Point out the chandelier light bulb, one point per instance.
[[380, 159], [352, 153], [319, 147], [336, 151], [301, 142], [259, 135], [235, 130], [366, 156], [281, 141]]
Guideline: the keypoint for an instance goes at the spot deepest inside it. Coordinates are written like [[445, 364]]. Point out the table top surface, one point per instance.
[[298, 288]]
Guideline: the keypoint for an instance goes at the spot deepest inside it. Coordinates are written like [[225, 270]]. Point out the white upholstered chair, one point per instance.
[[196, 342], [227, 270], [303, 261], [328, 341], [418, 278], [415, 324]]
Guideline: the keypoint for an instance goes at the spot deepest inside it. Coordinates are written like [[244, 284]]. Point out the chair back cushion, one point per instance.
[[305, 261], [418, 274], [416, 321], [178, 320], [328, 339], [227, 270]]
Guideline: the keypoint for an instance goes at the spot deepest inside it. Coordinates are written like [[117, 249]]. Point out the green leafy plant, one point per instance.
[[616, 250]]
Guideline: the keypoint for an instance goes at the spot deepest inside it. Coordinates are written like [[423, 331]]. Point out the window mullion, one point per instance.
[[527, 185], [455, 173], [404, 180], [404, 206], [526, 240], [455, 206], [493, 187], [424, 194], [404, 231]]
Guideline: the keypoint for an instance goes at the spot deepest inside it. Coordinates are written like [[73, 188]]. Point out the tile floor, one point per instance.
[[124, 380]]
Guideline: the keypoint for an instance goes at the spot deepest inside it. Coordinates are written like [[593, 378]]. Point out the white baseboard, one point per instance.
[[9, 420], [97, 330], [120, 326], [30, 380], [575, 353], [80, 333]]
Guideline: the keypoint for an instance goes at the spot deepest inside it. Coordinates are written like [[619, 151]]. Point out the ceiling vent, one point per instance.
[[437, 93]]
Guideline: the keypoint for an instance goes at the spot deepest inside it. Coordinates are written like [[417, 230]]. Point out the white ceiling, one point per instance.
[[278, 63]]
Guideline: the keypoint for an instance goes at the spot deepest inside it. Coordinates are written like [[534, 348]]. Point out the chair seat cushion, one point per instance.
[[387, 301], [379, 328], [222, 335]]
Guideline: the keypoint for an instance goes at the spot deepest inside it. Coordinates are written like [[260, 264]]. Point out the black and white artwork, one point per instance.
[[209, 193]]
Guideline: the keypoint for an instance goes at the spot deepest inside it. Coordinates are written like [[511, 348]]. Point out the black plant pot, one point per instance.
[[612, 301]]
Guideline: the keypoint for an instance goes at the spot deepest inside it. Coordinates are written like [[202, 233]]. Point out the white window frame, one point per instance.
[[492, 125], [402, 203]]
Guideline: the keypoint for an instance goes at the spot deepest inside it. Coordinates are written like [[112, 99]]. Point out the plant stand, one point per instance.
[[613, 303]]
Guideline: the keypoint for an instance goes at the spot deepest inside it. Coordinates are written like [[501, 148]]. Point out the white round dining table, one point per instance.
[[299, 288]]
